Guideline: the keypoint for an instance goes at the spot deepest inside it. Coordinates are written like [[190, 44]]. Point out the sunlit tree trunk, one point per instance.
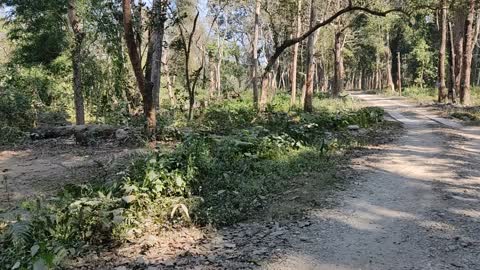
[[388, 56], [145, 87], [218, 69], [467, 56], [338, 74], [459, 35], [213, 83], [158, 31], [451, 84], [295, 55], [79, 37], [442, 90], [255, 53], [399, 73], [308, 105]]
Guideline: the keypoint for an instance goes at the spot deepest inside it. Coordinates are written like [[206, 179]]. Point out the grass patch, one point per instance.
[[231, 166]]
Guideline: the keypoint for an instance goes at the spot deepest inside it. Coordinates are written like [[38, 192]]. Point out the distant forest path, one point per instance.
[[417, 205]]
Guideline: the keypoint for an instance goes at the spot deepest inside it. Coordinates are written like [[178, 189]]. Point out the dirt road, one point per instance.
[[418, 206]]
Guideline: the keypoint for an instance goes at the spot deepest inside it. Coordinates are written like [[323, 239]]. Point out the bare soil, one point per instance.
[[42, 168]]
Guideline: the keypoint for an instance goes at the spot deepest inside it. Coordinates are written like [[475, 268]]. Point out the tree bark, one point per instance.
[[144, 87], [467, 55], [338, 74], [388, 56], [218, 71], [190, 83], [255, 53], [442, 88], [158, 33], [308, 103], [213, 83], [451, 84], [399, 72], [459, 35], [293, 98], [79, 37]]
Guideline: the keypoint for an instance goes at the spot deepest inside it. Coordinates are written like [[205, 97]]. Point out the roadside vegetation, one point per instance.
[[225, 167]]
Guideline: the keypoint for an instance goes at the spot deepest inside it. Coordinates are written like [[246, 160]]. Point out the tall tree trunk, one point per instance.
[[295, 55], [442, 89], [399, 73], [308, 105], [459, 36], [467, 55], [338, 74], [451, 84], [144, 87], [218, 70], [213, 83], [388, 56], [255, 53], [79, 36], [158, 31]]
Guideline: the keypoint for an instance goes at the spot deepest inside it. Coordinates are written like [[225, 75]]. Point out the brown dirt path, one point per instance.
[[45, 166]]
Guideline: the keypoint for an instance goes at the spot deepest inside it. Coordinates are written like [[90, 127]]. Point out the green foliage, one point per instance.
[[218, 174], [37, 29]]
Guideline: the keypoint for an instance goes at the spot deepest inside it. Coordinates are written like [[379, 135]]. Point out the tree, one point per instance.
[[442, 88], [158, 32], [312, 39], [145, 84], [467, 55], [290, 42], [255, 53], [191, 78], [295, 55], [79, 37]]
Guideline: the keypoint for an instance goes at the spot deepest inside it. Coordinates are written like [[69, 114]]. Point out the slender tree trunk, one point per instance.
[[388, 56], [213, 83], [399, 72], [159, 18], [218, 77], [218, 73], [338, 74], [255, 53], [295, 55], [144, 87], [308, 106], [451, 84], [459, 36], [467, 55], [79, 36], [442, 89]]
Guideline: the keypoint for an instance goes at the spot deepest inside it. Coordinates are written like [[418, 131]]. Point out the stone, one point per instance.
[[121, 134], [353, 127]]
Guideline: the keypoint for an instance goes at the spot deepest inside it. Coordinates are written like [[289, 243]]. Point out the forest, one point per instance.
[[160, 126]]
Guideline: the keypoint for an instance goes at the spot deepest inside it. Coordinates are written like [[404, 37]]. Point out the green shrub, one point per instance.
[[222, 172]]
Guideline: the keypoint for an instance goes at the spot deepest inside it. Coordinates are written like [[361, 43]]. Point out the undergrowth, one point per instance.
[[220, 173]]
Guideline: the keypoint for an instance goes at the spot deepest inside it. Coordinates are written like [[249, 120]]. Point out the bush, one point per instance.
[[221, 173]]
